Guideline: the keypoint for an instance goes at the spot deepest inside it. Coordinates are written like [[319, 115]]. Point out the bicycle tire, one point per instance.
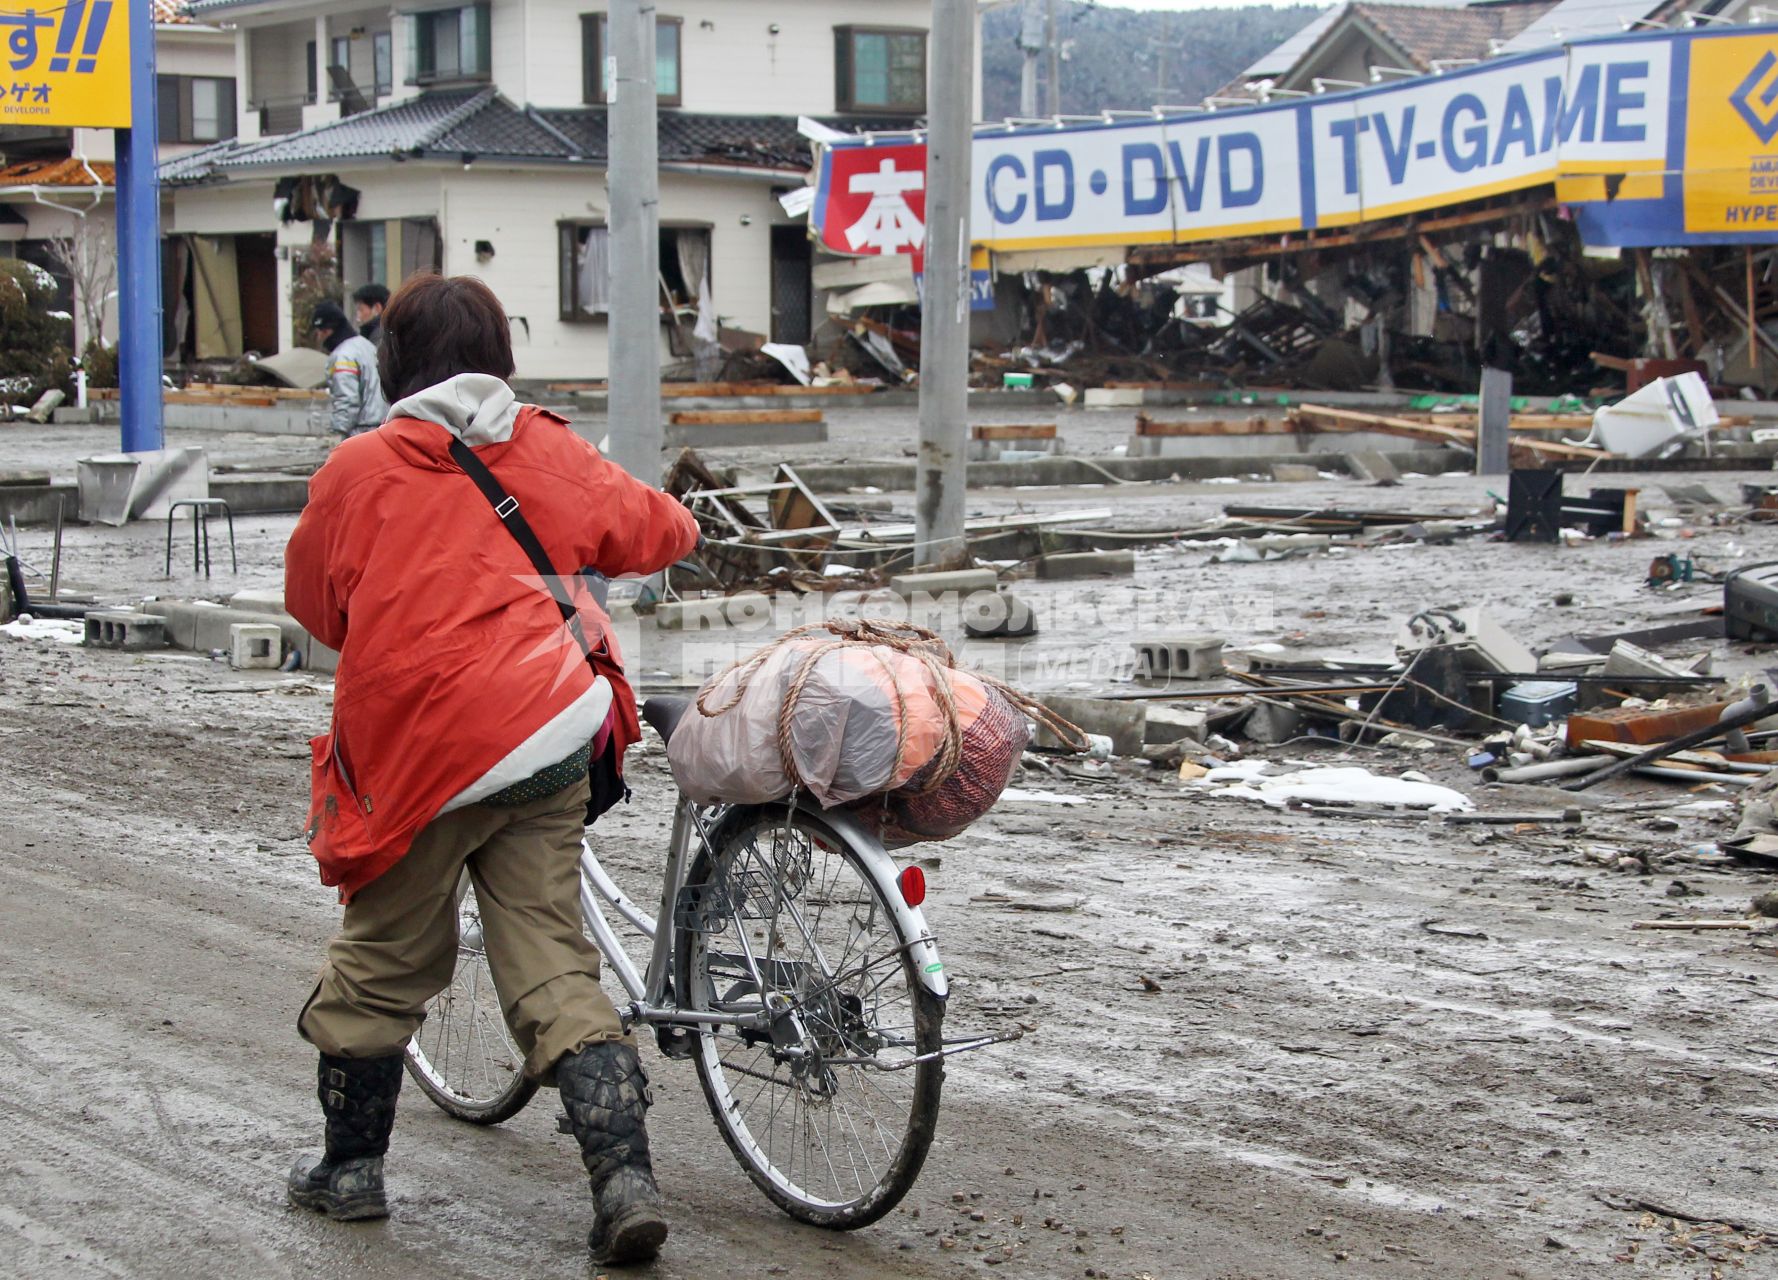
[[463, 1057], [844, 1011]]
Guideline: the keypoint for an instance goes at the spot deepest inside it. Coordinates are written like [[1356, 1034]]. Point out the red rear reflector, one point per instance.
[[913, 885]]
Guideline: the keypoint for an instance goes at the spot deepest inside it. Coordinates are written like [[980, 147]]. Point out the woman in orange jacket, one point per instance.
[[471, 694]]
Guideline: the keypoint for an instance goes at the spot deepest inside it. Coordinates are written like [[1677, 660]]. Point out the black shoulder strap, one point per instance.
[[506, 507]]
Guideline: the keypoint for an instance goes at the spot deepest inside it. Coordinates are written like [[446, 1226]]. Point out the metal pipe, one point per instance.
[[1542, 772], [1694, 775], [139, 249]]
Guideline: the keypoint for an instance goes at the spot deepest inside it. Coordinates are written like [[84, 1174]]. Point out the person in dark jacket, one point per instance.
[[368, 302], [353, 385]]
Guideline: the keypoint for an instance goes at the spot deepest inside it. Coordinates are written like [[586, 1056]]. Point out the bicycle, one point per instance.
[[790, 961]]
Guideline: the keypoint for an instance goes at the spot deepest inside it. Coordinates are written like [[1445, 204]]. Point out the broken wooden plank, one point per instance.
[[1325, 418], [733, 417], [1013, 431], [1254, 426]]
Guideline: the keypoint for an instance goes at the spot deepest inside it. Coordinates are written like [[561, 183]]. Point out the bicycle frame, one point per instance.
[[651, 1002]]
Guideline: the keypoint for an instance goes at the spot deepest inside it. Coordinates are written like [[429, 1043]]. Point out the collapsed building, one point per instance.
[[1398, 196]]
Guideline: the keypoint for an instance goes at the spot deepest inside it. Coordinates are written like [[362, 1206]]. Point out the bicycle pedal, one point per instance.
[[674, 1042]]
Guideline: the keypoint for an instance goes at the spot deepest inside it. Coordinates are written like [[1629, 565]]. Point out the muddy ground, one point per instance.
[[1378, 1047]]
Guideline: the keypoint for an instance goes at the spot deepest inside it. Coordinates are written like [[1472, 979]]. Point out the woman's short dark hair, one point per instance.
[[436, 327]]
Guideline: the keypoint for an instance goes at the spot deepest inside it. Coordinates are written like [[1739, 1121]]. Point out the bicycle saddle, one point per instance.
[[664, 714]]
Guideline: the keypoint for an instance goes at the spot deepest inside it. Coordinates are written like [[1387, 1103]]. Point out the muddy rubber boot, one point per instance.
[[358, 1098], [605, 1094]]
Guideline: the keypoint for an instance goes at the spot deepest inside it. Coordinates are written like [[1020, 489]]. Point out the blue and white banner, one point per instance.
[[1651, 139]]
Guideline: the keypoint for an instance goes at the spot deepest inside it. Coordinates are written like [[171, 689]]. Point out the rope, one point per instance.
[[919, 643]]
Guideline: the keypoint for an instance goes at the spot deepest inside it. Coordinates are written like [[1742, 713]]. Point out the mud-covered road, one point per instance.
[[1321, 1086], [1258, 1044]]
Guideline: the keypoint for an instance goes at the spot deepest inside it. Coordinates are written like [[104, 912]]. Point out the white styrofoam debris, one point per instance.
[[1041, 797], [1250, 780], [65, 630]]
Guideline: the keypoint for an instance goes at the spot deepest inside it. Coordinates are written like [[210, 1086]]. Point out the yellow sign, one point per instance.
[[66, 63], [1731, 135]]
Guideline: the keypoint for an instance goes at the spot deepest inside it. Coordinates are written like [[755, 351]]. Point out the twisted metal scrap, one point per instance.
[[916, 642]]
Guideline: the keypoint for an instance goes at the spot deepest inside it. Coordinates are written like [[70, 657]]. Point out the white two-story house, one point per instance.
[[471, 139]]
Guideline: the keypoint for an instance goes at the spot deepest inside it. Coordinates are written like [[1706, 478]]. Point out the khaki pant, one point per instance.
[[397, 946]]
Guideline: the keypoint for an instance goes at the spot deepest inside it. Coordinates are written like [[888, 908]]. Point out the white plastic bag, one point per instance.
[[850, 707]]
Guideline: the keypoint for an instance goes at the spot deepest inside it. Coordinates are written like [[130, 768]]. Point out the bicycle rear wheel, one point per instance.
[[832, 1109], [463, 1057]]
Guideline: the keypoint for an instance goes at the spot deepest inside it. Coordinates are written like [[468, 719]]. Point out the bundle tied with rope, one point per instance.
[[863, 712]]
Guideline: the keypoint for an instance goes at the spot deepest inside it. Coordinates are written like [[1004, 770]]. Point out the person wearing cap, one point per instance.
[[353, 383]]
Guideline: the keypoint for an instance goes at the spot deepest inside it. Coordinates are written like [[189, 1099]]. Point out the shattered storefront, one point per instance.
[[1563, 214]]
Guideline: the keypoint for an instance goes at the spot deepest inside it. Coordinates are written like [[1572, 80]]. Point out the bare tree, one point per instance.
[[89, 256]]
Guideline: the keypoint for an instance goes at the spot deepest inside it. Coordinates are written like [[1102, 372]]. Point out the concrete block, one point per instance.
[[1174, 724], [1023, 446], [125, 629], [1271, 723], [1372, 466], [1114, 398], [963, 581], [255, 646], [997, 617], [749, 609], [1087, 564], [1124, 722], [267, 600], [72, 416], [205, 627], [742, 435], [1179, 658], [1294, 472]]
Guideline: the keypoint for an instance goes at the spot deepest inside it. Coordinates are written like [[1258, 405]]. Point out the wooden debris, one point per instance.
[[734, 417], [1695, 924]]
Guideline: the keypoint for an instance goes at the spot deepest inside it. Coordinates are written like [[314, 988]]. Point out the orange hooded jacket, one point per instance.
[[457, 676]]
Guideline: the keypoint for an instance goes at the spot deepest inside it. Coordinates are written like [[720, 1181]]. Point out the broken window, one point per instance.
[[595, 45], [585, 269], [879, 69]]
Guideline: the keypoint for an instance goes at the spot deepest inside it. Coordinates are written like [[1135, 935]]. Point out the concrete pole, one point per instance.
[[139, 247], [939, 473], [1031, 46], [1053, 38], [632, 181], [1494, 424]]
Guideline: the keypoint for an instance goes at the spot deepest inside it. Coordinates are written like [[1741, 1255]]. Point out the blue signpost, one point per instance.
[[139, 247]]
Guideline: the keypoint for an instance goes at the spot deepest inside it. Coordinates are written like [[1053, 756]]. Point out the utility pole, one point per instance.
[[939, 473], [632, 181], [1031, 45], [139, 248], [1053, 38]]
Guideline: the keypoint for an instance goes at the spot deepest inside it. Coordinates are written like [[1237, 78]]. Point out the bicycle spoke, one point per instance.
[[792, 930]]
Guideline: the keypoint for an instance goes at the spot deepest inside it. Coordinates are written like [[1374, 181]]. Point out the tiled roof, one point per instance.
[[1428, 32], [454, 123], [66, 172], [755, 142]]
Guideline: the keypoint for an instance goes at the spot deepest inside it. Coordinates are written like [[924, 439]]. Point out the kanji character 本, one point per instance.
[[22, 40], [40, 93], [888, 223]]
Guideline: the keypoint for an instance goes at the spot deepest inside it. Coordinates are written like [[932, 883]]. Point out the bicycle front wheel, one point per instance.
[[463, 1057], [831, 1105]]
